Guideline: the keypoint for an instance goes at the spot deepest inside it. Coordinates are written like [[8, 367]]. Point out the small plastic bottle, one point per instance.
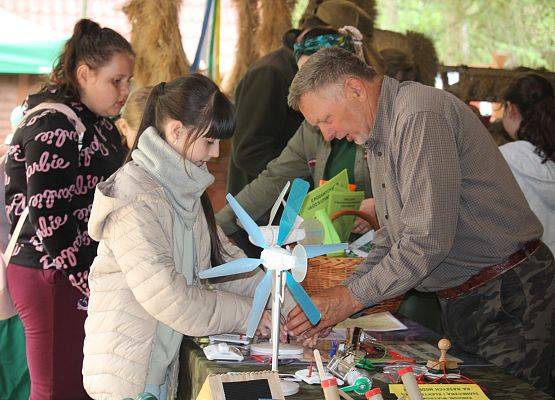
[[374, 394], [146, 396], [331, 391], [358, 380], [355, 374], [410, 384]]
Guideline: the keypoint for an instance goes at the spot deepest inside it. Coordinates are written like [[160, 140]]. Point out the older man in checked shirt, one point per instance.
[[453, 218]]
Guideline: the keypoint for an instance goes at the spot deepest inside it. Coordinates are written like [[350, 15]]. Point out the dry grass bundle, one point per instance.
[[156, 40], [419, 49], [382, 40], [372, 56], [275, 20], [485, 84], [311, 6], [369, 6], [247, 52], [424, 57]]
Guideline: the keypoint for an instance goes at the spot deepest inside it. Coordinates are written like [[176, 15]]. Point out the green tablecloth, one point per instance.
[[14, 375], [195, 368]]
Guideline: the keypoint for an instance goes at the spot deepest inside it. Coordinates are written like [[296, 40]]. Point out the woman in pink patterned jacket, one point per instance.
[[65, 145]]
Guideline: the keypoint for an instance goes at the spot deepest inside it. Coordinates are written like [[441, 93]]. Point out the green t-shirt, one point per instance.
[[342, 156]]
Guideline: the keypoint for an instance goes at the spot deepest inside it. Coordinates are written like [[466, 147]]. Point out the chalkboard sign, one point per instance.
[[248, 390], [242, 386]]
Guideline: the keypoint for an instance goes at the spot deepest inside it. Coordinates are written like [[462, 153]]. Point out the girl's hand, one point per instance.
[[265, 327]]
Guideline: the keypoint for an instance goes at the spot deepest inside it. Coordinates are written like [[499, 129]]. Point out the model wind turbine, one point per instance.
[[283, 267]]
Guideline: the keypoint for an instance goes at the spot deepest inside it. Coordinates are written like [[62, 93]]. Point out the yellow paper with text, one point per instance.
[[444, 392], [318, 198]]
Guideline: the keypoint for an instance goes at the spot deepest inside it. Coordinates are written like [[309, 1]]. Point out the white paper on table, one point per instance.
[[379, 322], [361, 241], [339, 334]]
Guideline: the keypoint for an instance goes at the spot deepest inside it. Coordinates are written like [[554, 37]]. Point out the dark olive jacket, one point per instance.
[[265, 122]]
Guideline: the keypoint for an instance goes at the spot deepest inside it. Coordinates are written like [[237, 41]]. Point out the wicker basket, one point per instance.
[[325, 272]]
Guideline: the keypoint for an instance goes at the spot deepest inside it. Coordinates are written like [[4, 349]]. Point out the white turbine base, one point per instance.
[[286, 350]]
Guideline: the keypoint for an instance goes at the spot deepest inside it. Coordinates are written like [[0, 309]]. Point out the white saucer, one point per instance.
[[314, 379], [286, 350]]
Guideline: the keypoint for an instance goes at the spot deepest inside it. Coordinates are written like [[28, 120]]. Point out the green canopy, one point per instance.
[[35, 57]]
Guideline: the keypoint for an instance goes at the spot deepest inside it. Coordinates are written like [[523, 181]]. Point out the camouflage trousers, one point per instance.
[[509, 321]]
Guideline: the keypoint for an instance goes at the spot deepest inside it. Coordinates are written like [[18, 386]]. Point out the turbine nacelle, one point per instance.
[[271, 233], [279, 259]]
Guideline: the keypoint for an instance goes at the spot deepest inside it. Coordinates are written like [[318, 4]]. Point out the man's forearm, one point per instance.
[[225, 218], [380, 248]]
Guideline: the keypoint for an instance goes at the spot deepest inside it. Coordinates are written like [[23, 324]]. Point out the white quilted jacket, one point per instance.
[[134, 285]]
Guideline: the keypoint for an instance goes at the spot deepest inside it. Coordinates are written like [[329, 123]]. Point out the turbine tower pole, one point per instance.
[[276, 317]]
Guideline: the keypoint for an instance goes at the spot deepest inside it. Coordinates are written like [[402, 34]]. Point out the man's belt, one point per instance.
[[492, 272]]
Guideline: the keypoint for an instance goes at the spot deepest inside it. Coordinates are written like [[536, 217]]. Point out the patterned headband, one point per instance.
[[310, 46]]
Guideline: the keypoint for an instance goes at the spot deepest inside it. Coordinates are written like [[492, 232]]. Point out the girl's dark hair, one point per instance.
[[199, 104], [89, 44], [532, 94]]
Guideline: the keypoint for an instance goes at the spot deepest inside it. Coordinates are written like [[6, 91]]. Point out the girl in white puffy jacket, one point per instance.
[[157, 230]]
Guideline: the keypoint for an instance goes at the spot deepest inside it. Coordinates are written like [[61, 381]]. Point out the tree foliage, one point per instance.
[[469, 32]]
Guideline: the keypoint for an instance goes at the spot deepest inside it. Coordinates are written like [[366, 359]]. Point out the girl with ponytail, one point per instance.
[[65, 144], [157, 231], [529, 118]]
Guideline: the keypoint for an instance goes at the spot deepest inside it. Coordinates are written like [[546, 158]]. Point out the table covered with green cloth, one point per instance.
[[498, 385], [195, 368], [14, 375]]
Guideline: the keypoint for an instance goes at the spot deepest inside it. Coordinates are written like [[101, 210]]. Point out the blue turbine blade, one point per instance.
[[250, 226], [261, 295], [313, 250], [301, 297], [237, 266], [298, 192]]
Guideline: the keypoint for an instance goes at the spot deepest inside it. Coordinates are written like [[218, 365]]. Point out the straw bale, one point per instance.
[[424, 57], [275, 20], [485, 84], [367, 5], [248, 19], [156, 40]]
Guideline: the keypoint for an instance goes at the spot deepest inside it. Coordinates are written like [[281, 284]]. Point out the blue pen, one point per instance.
[[333, 350]]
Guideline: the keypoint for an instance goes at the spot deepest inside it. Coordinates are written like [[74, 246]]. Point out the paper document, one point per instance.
[[339, 334], [318, 198], [379, 322], [444, 392], [418, 350], [344, 200], [359, 246]]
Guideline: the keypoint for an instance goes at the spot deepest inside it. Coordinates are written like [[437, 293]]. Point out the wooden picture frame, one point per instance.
[[242, 386]]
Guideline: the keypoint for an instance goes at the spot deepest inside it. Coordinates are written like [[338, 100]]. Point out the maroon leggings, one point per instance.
[[54, 331]]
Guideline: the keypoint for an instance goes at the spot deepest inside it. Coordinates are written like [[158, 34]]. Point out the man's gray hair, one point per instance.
[[325, 67]]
